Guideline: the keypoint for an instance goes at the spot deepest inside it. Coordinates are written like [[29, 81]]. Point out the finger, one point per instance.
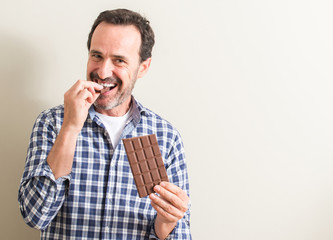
[[175, 190], [169, 217], [86, 95], [95, 96], [95, 93], [95, 86], [172, 198], [82, 84], [165, 209], [95, 89]]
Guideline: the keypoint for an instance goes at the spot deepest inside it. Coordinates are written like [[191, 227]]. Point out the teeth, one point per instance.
[[108, 84]]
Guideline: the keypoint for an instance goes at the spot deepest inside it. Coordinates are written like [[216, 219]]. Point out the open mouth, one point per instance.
[[106, 86]]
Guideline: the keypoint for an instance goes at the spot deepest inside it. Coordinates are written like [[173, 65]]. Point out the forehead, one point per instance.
[[109, 37]]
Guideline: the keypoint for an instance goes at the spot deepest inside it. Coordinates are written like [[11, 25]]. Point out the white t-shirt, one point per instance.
[[115, 125]]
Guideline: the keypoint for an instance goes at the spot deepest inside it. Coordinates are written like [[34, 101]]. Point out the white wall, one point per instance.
[[254, 78]]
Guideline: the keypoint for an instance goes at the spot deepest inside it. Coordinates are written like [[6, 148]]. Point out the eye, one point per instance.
[[96, 57], [119, 61]]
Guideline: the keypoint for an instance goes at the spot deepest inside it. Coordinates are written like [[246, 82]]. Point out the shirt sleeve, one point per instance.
[[178, 175], [40, 195]]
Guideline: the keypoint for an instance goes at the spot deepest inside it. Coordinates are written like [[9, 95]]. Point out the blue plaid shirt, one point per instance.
[[98, 199]]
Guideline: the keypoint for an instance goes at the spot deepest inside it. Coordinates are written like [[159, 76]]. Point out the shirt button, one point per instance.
[[107, 229], [109, 196]]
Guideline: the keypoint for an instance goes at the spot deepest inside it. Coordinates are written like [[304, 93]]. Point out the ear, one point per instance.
[[143, 68]]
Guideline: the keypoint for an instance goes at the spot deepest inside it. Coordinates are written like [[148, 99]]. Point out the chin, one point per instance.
[[105, 106]]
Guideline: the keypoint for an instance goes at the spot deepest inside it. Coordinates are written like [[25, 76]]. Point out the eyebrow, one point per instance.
[[114, 56], [95, 52], [120, 57]]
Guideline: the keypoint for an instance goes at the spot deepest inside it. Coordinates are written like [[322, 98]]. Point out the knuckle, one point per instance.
[[179, 215], [173, 200], [153, 204], [168, 208], [185, 198], [183, 208], [166, 214], [67, 95], [178, 191]]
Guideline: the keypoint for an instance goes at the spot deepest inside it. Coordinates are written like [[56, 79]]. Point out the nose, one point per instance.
[[105, 70]]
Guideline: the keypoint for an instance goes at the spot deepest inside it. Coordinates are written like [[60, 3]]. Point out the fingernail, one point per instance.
[[157, 188], [162, 184]]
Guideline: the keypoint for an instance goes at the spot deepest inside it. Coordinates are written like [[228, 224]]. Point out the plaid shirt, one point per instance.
[[98, 199]]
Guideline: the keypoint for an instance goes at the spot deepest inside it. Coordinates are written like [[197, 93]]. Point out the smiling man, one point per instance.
[[77, 182]]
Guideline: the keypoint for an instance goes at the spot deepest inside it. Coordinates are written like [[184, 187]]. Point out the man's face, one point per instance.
[[114, 62]]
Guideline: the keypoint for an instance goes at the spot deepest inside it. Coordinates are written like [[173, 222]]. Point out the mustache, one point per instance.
[[95, 76]]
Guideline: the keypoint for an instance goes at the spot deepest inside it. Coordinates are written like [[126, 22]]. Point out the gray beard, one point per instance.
[[119, 99], [114, 103]]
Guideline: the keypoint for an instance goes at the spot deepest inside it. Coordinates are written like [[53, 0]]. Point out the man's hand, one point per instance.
[[77, 101], [171, 206]]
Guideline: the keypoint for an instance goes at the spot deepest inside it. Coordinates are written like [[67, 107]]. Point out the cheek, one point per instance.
[[90, 68], [124, 74]]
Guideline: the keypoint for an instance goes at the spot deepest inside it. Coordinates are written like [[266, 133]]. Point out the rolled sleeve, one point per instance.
[[40, 199], [40, 195], [181, 231]]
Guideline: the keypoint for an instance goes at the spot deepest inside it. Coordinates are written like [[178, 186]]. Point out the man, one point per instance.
[[77, 182]]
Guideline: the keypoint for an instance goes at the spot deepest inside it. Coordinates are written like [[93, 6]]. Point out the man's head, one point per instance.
[[120, 45], [127, 17]]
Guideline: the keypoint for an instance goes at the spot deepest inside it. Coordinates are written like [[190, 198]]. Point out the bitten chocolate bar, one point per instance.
[[146, 163]]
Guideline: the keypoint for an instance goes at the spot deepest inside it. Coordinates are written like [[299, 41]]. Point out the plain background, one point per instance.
[[247, 83]]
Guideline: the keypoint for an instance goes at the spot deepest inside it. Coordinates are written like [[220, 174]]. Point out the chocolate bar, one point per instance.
[[146, 163]]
